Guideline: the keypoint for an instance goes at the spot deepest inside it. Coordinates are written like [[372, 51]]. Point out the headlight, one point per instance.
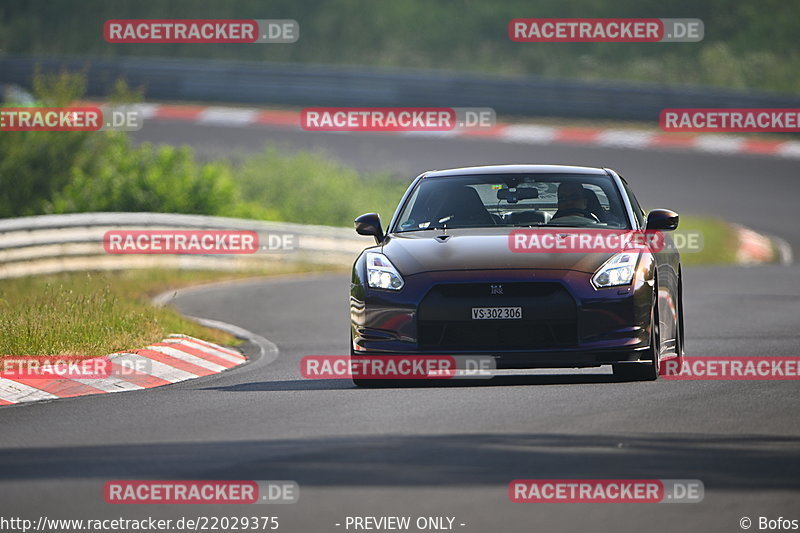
[[618, 270], [381, 273]]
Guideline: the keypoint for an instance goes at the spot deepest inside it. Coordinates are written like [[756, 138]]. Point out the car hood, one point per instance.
[[476, 249]]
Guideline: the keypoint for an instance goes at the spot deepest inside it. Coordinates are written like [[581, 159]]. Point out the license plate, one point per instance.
[[496, 313]]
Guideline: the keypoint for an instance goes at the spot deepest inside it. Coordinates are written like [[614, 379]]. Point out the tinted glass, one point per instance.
[[513, 200]]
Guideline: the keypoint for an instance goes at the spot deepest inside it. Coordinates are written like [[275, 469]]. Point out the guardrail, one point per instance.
[[50, 244], [326, 85]]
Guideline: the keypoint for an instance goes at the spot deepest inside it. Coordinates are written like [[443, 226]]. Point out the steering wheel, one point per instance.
[[574, 211]]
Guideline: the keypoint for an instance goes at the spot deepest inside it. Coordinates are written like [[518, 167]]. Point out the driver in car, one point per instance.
[[572, 206]]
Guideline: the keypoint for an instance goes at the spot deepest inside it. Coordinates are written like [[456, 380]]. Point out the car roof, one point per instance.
[[516, 169]]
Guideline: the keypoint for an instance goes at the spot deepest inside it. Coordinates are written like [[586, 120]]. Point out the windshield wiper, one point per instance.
[[557, 225], [529, 225], [442, 221], [422, 229]]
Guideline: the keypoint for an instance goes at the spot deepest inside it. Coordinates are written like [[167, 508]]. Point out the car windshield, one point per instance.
[[514, 200]]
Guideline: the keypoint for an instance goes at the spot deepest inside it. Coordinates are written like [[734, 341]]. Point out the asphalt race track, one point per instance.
[[450, 451]]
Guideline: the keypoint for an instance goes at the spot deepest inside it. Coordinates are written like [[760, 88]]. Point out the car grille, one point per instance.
[[549, 317]]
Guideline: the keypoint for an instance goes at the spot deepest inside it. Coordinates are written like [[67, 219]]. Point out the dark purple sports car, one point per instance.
[[527, 264]]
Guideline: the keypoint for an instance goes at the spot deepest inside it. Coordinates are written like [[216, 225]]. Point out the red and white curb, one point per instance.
[[755, 248], [513, 133], [175, 359]]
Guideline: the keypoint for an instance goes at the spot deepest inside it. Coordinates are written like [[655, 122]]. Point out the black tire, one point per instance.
[[675, 366], [376, 383], [679, 344], [644, 371]]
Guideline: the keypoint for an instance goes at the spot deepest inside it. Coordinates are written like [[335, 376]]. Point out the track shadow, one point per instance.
[[746, 462], [497, 381]]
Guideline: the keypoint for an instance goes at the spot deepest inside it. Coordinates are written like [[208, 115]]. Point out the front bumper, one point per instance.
[[566, 321]]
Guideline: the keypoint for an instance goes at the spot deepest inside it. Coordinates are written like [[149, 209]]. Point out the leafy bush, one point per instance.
[[145, 178], [62, 172], [311, 189], [68, 172]]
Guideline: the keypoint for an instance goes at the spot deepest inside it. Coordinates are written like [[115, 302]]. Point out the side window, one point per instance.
[[637, 209]]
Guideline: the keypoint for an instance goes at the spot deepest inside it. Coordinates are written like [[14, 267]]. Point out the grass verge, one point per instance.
[[99, 313], [719, 241]]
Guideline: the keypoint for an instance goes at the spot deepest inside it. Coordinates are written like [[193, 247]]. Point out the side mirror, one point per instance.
[[662, 219], [370, 224]]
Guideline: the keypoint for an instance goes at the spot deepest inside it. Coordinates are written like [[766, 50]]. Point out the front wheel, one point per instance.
[[647, 371]]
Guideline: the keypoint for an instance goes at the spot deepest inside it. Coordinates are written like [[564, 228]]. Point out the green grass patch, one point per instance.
[[99, 313], [718, 238]]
